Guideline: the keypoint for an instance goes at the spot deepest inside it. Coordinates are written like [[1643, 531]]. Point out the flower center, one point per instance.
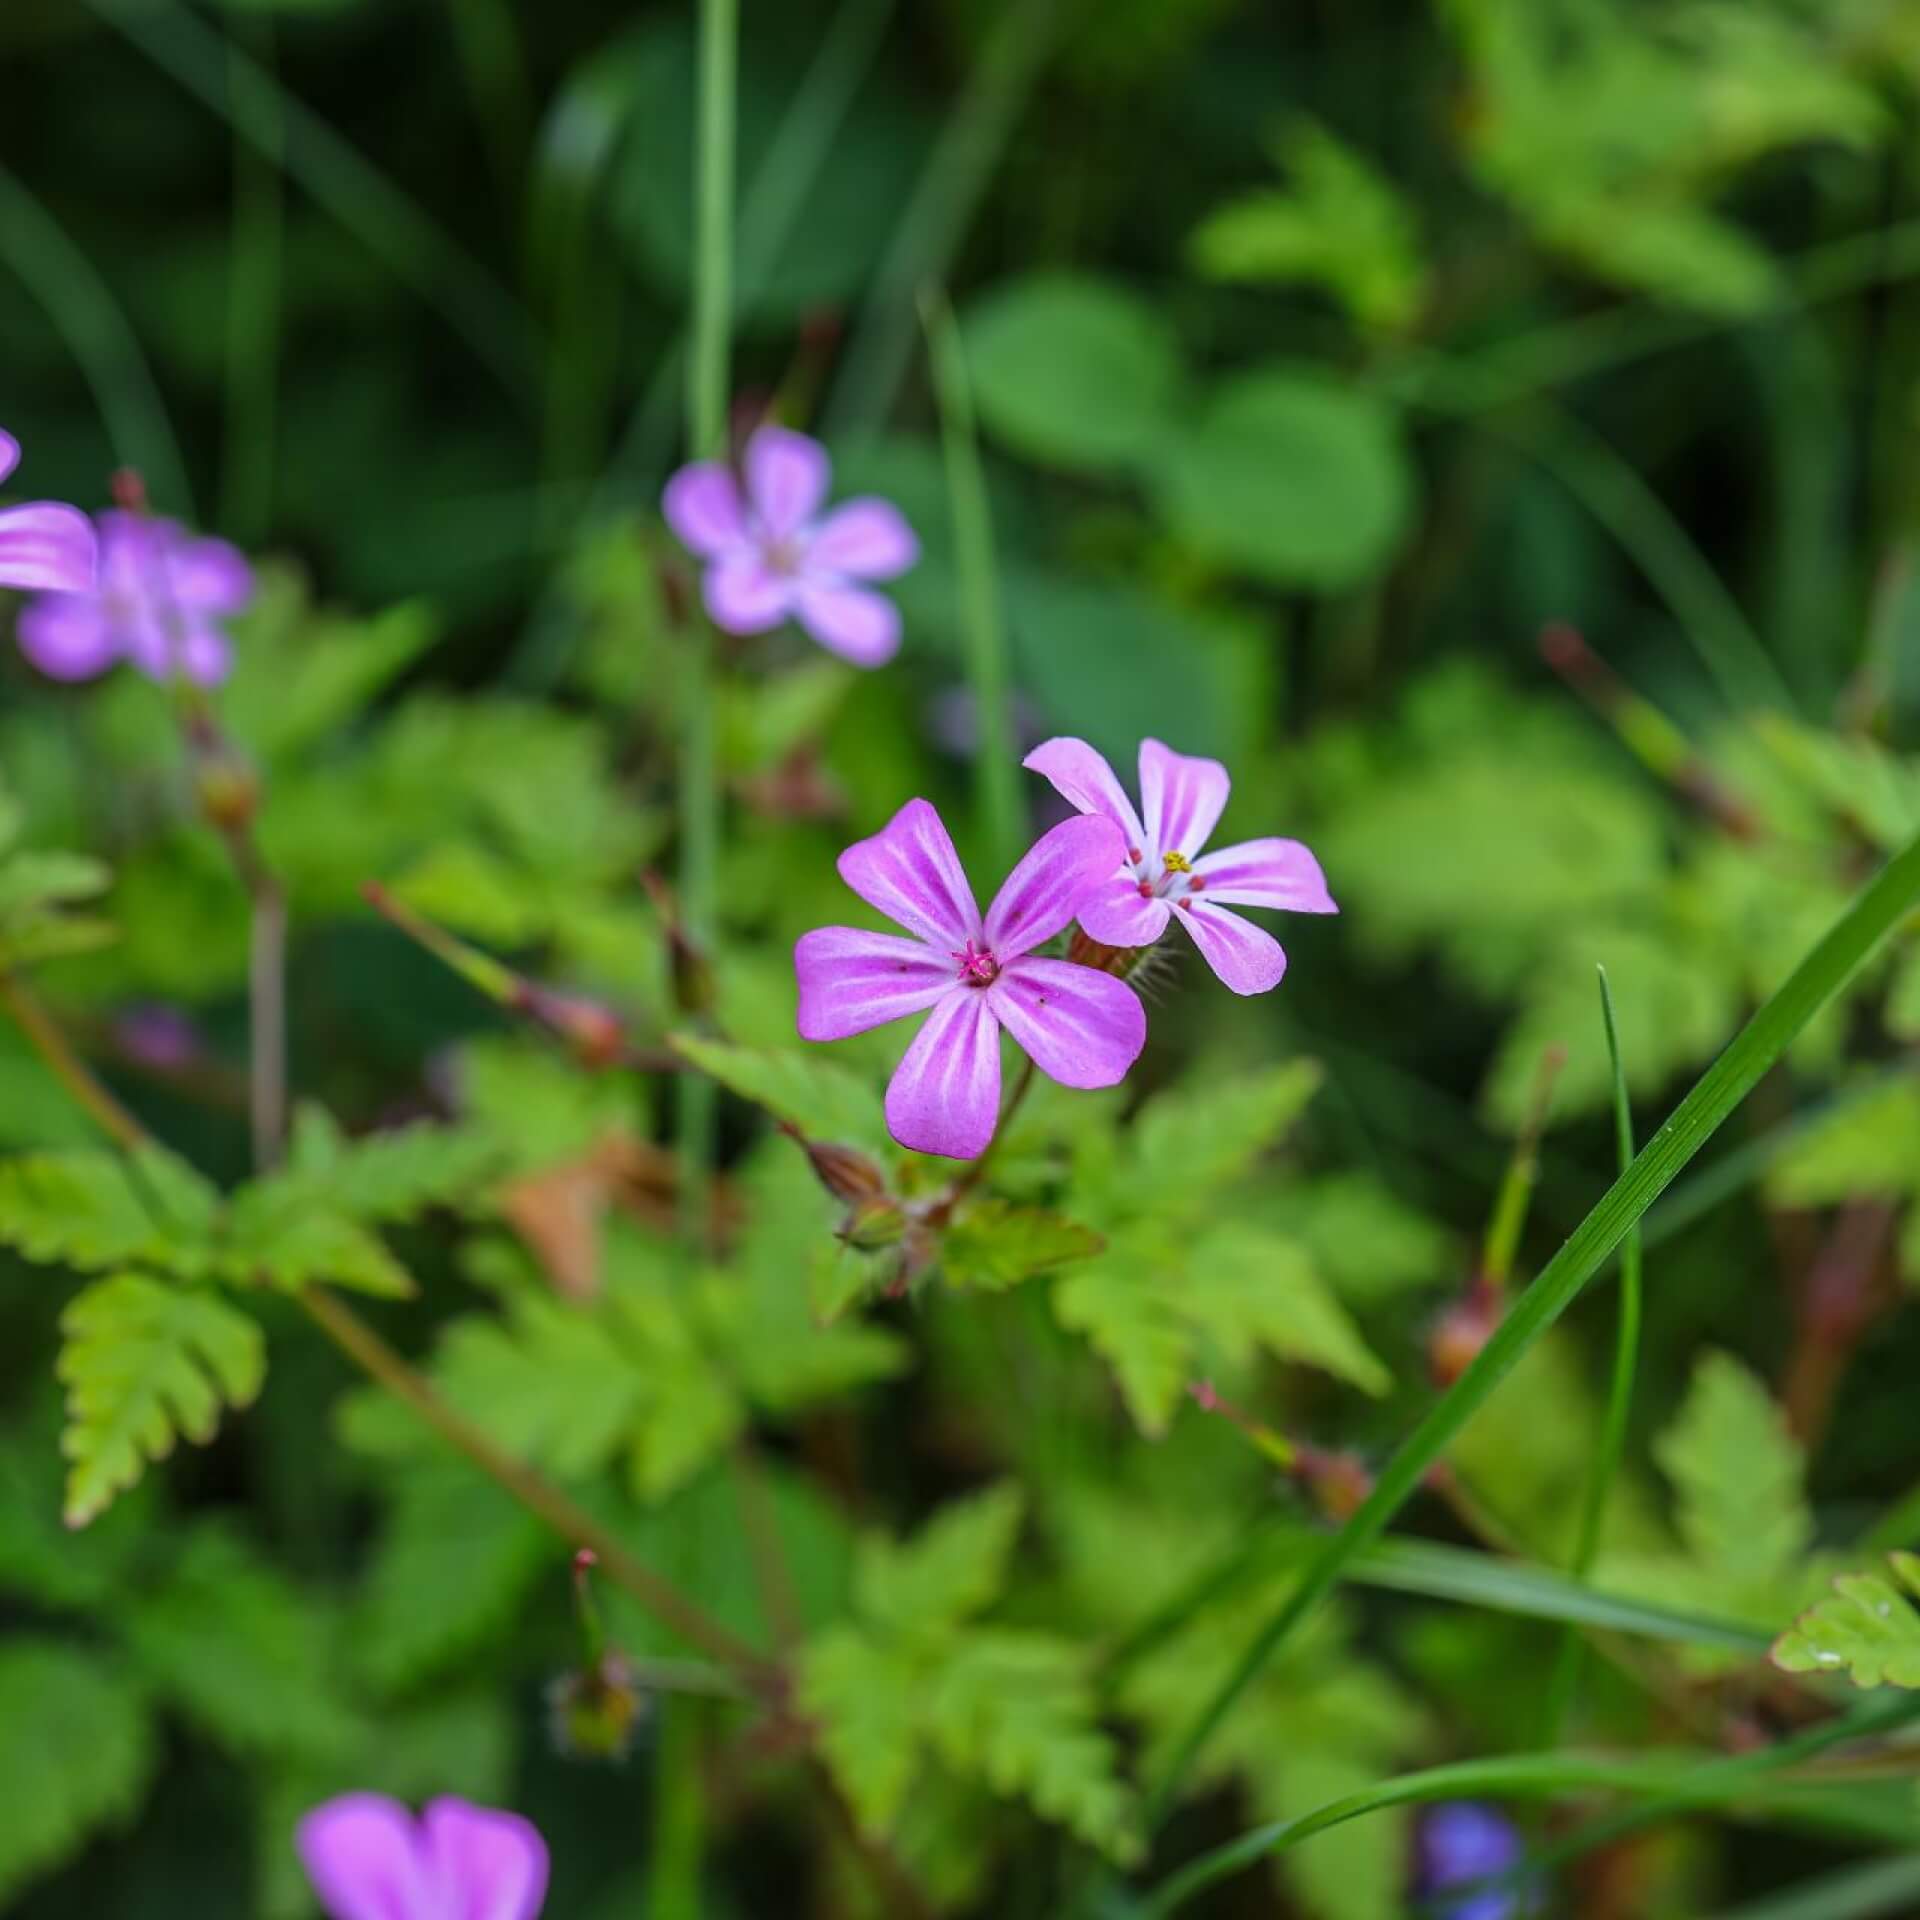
[[978, 967], [1175, 880], [786, 557]]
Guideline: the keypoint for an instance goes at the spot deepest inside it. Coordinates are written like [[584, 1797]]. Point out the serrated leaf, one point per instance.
[[390, 1177], [279, 1234], [950, 1570], [1739, 1476], [823, 1100], [30, 881], [97, 1211], [455, 1559], [76, 1752], [1015, 1710], [1868, 1629], [862, 1692], [144, 1362], [994, 1246], [1190, 1143], [1127, 1313], [229, 1641]]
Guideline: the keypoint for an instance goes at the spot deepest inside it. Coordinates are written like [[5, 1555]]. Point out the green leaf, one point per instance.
[[1073, 371], [863, 1693], [1868, 1147], [1367, 1242], [76, 1752], [1126, 1304], [1015, 1710], [36, 891], [950, 1570], [241, 1651], [994, 1246], [276, 1238], [1191, 1143], [1290, 478], [454, 1562], [1867, 1628], [1739, 1474], [391, 1177], [144, 1362], [97, 1211], [808, 1091]]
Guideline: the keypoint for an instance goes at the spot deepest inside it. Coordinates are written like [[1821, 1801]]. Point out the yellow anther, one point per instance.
[[1177, 863]]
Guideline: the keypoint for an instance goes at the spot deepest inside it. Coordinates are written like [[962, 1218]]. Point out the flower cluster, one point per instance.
[[1121, 876], [1462, 1843], [158, 602], [369, 1859], [44, 546]]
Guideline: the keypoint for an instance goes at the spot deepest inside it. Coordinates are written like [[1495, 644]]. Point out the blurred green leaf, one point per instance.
[[952, 1569], [1867, 1628], [992, 1245]]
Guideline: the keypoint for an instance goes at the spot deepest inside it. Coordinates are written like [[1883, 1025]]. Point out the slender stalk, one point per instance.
[[996, 791], [535, 1492], [975, 1171], [495, 71], [679, 1815], [707, 386], [46, 1039], [1613, 1430], [1825, 971], [266, 997], [760, 1523]]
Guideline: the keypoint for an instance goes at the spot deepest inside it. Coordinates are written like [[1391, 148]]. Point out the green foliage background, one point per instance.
[[1325, 359]]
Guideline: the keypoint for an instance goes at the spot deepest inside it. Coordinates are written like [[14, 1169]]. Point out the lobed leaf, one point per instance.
[[394, 1176], [97, 1210], [823, 1100], [955, 1566], [994, 1246], [1868, 1628]]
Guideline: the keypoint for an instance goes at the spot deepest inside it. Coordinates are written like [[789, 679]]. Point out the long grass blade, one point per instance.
[[1720, 1090], [1854, 1893]]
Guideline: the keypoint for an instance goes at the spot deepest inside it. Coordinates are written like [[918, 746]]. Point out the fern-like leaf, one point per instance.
[[951, 1569], [144, 1362], [393, 1177], [1868, 1628], [98, 1211]]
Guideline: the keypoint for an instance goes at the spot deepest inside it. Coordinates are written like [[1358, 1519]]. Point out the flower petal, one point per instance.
[[867, 538], [744, 594], [362, 1852], [67, 636], [1045, 890], [206, 654], [858, 625], [910, 872], [9, 454], [1246, 958], [702, 506], [1266, 873], [1115, 914], [46, 547], [944, 1096], [851, 981], [1083, 779], [787, 475], [1181, 796], [490, 1865], [1079, 1026], [209, 576]]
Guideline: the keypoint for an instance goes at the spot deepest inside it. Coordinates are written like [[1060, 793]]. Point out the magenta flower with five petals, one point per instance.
[[771, 555], [1163, 875], [161, 596], [369, 1859], [43, 544], [970, 976]]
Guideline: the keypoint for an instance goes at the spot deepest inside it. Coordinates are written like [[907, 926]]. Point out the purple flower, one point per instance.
[[43, 546], [1463, 1842], [161, 595], [1163, 870], [1079, 1026], [771, 557], [160, 1037], [369, 1859]]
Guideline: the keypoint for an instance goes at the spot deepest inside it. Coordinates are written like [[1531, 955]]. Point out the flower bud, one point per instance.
[[228, 794], [1460, 1332], [845, 1172], [594, 1712], [874, 1225]]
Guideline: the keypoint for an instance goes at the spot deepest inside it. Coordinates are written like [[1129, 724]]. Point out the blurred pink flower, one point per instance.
[[771, 556], [970, 976], [43, 545], [369, 1859], [158, 602], [1164, 870]]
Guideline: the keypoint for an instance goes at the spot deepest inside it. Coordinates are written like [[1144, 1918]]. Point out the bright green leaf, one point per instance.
[[952, 1568], [1868, 1628]]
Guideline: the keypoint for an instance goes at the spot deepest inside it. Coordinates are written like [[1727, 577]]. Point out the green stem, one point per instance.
[[1878, 909], [1613, 1431], [679, 1815], [995, 780], [707, 388]]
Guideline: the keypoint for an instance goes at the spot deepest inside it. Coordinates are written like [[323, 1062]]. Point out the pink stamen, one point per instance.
[[978, 967]]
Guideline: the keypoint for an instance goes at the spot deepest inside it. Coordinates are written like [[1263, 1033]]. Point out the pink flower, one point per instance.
[[1163, 873], [161, 593], [970, 976], [369, 1859], [771, 557], [43, 545]]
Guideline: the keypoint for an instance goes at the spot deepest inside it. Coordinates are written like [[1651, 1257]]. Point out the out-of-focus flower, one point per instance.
[[1462, 1842], [44, 547], [772, 556], [1163, 874], [159, 600], [158, 1036], [970, 976], [369, 1859]]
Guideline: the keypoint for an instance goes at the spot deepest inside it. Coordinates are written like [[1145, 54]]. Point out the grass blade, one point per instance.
[[1719, 1091], [1854, 1893]]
